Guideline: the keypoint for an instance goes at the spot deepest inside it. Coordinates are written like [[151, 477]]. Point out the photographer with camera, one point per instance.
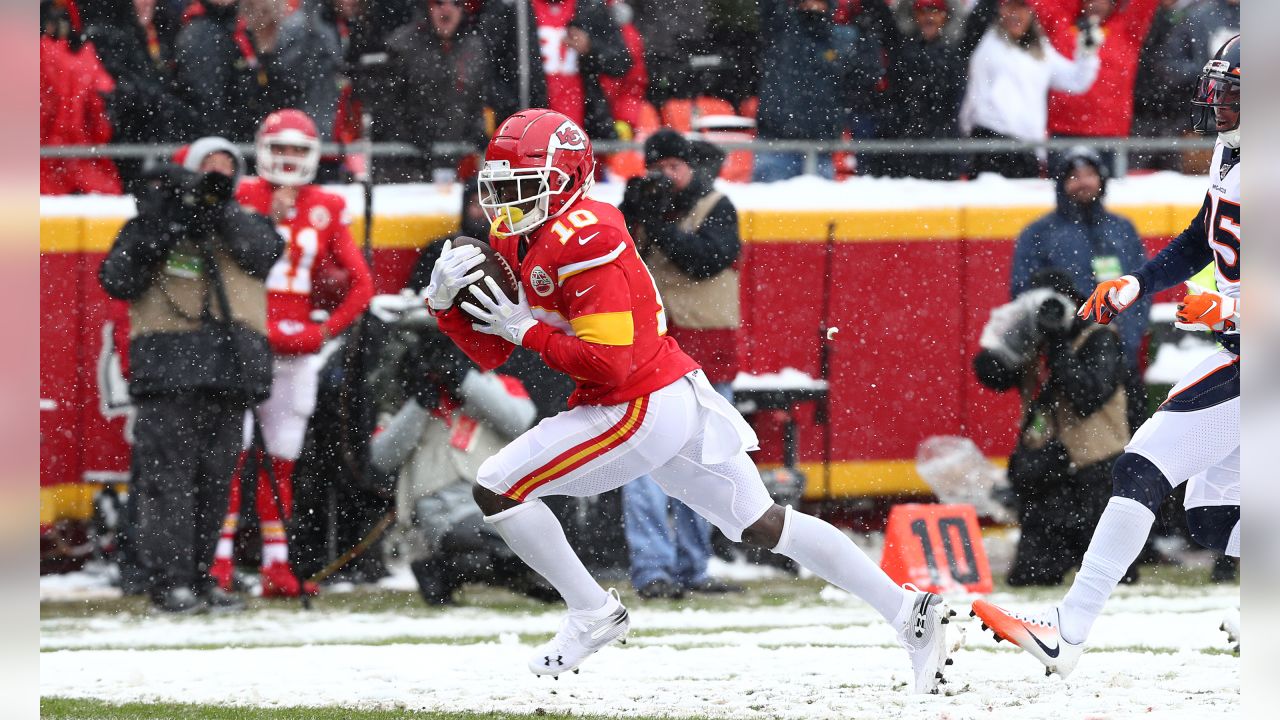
[[1070, 375], [190, 252], [687, 234], [440, 418]]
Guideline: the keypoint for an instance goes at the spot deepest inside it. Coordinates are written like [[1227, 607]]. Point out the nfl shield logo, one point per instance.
[[541, 282]]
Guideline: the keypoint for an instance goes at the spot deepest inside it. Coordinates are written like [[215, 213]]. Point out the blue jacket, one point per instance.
[[808, 76], [1068, 239]]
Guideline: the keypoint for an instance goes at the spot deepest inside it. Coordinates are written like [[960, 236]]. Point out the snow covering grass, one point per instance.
[[785, 649]]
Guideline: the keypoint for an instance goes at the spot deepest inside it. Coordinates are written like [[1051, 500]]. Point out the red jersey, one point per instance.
[[600, 319], [565, 92], [315, 233], [1106, 109]]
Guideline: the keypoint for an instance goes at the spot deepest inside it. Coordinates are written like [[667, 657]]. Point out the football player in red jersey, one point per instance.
[[588, 306], [314, 225]]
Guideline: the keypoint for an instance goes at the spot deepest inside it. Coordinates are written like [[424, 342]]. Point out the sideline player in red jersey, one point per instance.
[[588, 306], [313, 223]]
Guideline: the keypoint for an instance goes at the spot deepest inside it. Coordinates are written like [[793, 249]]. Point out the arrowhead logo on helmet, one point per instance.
[[538, 163]]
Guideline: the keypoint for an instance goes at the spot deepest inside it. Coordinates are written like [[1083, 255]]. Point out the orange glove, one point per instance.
[[1110, 299], [1207, 310]]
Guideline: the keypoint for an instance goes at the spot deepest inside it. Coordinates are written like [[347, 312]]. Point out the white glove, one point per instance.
[[451, 273], [500, 316]]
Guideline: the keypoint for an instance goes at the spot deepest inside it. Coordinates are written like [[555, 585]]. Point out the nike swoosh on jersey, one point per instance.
[[587, 239], [584, 291]]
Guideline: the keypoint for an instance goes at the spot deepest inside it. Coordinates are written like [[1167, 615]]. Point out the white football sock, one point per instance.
[[831, 555], [533, 533], [1233, 541], [1117, 541]]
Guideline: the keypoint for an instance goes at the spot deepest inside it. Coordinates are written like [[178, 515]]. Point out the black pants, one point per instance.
[[1011, 164], [185, 451], [1058, 515]]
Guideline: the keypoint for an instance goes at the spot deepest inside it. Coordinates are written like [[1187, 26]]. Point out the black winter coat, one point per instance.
[[926, 86], [220, 357]]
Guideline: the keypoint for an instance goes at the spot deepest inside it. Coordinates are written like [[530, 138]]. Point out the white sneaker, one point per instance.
[[924, 635], [581, 634], [1039, 635], [1231, 626]]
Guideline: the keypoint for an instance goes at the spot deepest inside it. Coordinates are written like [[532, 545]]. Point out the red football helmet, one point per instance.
[[296, 165], [537, 164]]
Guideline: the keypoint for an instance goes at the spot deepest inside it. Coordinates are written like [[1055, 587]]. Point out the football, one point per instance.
[[493, 266]]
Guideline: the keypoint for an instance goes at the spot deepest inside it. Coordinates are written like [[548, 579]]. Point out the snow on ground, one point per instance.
[[1153, 654]]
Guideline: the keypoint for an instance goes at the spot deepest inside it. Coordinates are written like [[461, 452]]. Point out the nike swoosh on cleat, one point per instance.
[[1051, 652], [587, 239]]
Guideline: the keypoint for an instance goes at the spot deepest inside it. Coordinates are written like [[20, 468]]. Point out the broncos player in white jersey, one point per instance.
[[1195, 434]]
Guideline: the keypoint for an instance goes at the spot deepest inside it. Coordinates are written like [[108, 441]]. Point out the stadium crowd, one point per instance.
[[432, 72]]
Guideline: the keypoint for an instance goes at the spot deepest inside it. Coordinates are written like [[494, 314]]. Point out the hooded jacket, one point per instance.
[[1071, 238]]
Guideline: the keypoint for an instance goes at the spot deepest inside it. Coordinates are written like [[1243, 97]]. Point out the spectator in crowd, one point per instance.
[[1091, 245], [450, 418], [193, 266], [1183, 35], [1204, 26], [687, 233], [627, 94], [302, 317], [672, 34], [927, 73], [812, 72], [73, 111], [310, 52], [226, 71], [134, 43], [570, 45], [1106, 108], [1156, 113], [1010, 75], [440, 77], [728, 67], [1073, 425]]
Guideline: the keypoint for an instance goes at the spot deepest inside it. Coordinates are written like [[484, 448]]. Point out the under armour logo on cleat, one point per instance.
[[559, 660]]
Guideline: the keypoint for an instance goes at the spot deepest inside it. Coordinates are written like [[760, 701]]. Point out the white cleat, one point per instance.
[[1039, 635], [1231, 626], [925, 637], [581, 634]]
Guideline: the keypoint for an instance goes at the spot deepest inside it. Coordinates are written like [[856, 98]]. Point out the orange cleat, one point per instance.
[[278, 581], [1038, 635]]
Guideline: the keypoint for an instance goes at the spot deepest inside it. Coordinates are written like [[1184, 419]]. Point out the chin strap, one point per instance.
[[1230, 138]]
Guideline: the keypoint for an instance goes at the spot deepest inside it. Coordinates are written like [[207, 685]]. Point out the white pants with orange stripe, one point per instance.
[[686, 436], [1195, 435], [295, 380]]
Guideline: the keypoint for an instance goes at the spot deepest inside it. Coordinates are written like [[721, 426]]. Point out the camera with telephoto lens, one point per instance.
[[192, 200], [651, 194]]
